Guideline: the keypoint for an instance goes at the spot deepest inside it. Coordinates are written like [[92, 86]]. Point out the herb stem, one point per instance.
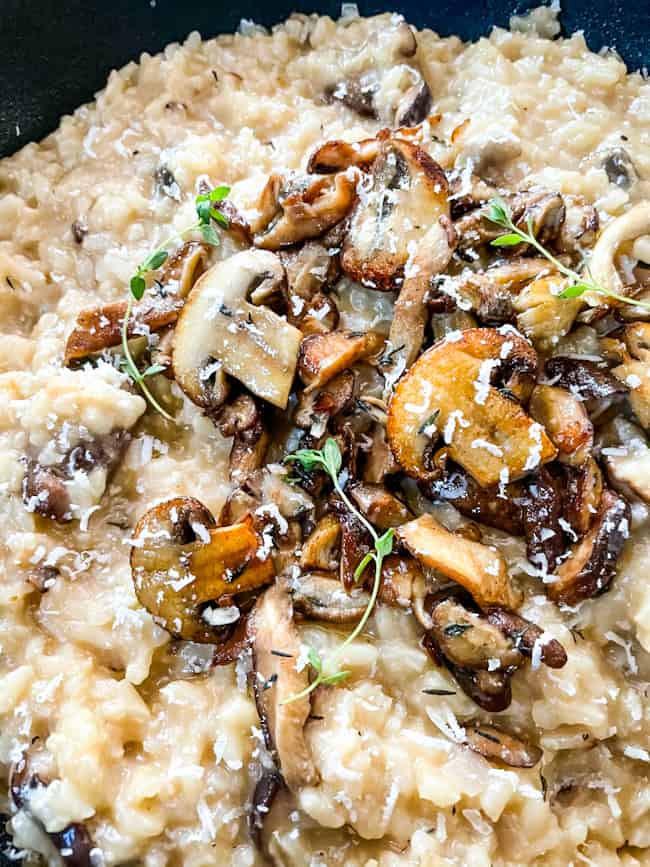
[[131, 366]]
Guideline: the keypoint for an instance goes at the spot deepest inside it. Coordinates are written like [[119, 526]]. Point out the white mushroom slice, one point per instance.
[[406, 200], [297, 209], [602, 266], [542, 315], [449, 392], [480, 570], [276, 647], [220, 331], [322, 597]]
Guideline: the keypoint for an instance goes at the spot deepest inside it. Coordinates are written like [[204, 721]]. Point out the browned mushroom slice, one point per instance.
[[450, 391], [220, 331], [470, 641], [322, 356], [591, 566], [492, 743], [566, 421], [584, 489], [310, 268], [304, 208], [322, 597], [181, 562], [243, 420], [479, 569], [266, 790], [99, 328], [337, 156], [587, 380], [355, 544], [457, 487], [315, 408], [415, 105], [635, 369], [580, 228], [542, 515], [380, 461], [407, 198], [528, 637], [382, 508], [276, 647], [320, 548]]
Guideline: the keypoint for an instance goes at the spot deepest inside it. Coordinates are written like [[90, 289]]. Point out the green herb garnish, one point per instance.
[[206, 212], [500, 214], [329, 459]]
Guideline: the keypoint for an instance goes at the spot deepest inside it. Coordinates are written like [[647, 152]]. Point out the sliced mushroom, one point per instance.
[[587, 380], [315, 408], [591, 566], [493, 743], [457, 487], [528, 637], [480, 570], [276, 647], [266, 790], [220, 331], [415, 105], [542, 514], [407, 197], [450, 391], [321, 597], [181, 562], [627, 459], [337, 156], [380, 461], [320, 548], [566, 421], [603, 262], [542, 315], [355, 544], [584, 488], [242, 419], [580, 228], [45, 488], [296, 209], [635, 370], [380, 507], [99, 328], [323, 356]]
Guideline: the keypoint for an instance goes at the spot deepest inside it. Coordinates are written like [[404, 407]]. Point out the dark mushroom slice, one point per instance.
[[580, 228], [297, 209], [266, 790], [491, 506], [243, 420], [468, 193], [620, 168], [526, 636], [587, 380], [635, 368], [480, 570], [542, 515], [221, 332], [463, 389], [415, 105], [379, 462], [276, 647], [315, 408], [380, 507], [44, 488], [490, 690], [407, 197], [323, 356], [187, 571], [310, 269], [356, 94], [337, 156], [591, 566], [355, 544], [583, 491], [494, 744], [566, 421]]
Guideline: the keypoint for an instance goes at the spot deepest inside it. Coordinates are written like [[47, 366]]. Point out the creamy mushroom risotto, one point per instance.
[[324, 399]]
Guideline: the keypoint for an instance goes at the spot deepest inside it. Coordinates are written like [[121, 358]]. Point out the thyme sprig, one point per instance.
[[500, 214], [329, 459], [206, 213]]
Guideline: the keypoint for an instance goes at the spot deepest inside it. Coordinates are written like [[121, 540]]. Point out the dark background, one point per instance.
[[54, 54]]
